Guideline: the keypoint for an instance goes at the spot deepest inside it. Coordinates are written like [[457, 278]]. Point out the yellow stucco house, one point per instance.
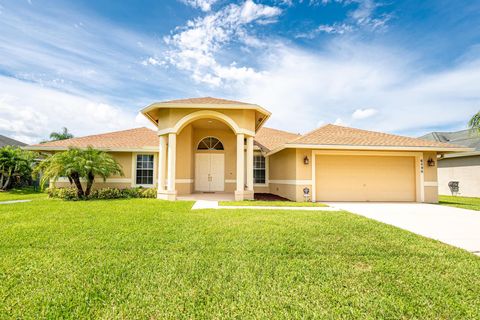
[[217, 145]]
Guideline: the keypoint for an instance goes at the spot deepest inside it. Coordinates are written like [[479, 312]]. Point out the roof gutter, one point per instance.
[[161, 105], [461, 154], [371, 148], [41, 148]]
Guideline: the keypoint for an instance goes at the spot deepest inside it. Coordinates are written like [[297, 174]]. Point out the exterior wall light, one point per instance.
[[306, 194], [431, 162], [306, 160]]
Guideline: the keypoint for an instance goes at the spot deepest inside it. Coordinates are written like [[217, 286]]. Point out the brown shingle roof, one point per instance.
[[337, 135], [132, 138], [268, 139], [204, 100]]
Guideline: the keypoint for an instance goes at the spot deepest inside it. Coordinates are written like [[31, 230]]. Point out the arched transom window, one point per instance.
[[210, 143]]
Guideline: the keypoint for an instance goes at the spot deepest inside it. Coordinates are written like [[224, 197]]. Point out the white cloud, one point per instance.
[[336, 28], [362, 14], [340, 122], [339, 28], [30, 112], [363, 17], [204, 5], [195, 46], [152, 61], [300, 87], [364, 113], [250, 11]]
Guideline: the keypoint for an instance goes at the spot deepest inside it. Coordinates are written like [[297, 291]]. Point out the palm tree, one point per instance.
[[54, 136], [474, 122], [14, 162], [77, 164], [98, 163], [62, 164]]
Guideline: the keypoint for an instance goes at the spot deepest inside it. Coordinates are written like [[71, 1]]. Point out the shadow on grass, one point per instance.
[[23, 191]]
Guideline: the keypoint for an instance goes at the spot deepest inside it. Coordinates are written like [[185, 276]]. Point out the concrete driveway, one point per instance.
[[455, 226]]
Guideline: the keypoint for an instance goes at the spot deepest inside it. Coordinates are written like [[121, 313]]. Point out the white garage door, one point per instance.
[[365, 178]]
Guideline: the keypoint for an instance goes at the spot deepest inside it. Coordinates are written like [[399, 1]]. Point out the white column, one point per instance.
[[172, 152], [240, 164], [162, 162], [422, 180], [249, 163]]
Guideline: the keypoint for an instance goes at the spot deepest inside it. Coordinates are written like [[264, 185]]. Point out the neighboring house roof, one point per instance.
[[339, 137], [6, 141], [268, 139], [132, 139], [469, 138]]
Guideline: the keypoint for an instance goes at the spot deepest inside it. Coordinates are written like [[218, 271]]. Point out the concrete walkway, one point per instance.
[[216, 196], [211, 204], [454, 226], [14, 201]]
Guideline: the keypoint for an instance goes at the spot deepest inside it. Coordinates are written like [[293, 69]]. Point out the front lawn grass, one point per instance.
[[271, 203], [149, 259], [21, 194], [460, 202]]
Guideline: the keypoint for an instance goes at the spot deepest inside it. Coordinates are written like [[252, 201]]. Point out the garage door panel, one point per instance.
[[365, 178]]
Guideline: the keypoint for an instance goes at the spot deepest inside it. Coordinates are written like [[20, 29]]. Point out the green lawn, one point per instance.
[[272, 203], [460, 202], [149, 259], [21, 194]]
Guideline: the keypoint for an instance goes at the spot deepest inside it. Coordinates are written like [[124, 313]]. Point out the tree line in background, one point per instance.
[[63, 135], [474, 122], [16, 166]]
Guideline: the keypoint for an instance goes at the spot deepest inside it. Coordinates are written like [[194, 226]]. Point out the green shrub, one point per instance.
[[148, 193], [131, 193], [103, 194], [107, 193], [63, 193]]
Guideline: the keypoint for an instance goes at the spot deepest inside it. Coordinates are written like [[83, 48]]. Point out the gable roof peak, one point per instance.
[[203, 100]]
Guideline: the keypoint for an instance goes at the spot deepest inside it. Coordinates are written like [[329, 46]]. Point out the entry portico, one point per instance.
[[191, 132]]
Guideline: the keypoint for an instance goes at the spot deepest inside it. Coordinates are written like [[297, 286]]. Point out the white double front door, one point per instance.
[[209, 172]]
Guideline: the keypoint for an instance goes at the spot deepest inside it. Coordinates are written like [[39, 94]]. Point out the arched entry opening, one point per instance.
[[206, 157]]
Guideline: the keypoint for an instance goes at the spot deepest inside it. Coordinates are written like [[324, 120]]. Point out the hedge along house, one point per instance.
[[220, 146]]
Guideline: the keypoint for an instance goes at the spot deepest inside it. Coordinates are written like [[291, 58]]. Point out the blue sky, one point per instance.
[[405, 67]]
